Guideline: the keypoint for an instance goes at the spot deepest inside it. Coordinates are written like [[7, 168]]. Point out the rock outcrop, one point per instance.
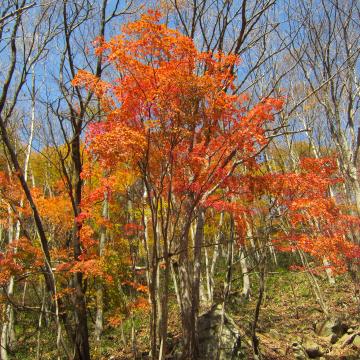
[[231, 345]]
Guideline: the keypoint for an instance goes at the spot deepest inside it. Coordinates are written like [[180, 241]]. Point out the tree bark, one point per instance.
[[82, 348], [99, 322]]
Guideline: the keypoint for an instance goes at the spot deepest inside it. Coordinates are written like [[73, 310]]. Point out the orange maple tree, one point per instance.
[[170, 116]]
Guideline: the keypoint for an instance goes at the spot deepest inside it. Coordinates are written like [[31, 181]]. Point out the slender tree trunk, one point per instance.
[[176, 287], [227, 284], [245, 273], [40, 322], [145, 221], [185, 294], [99, 322], [314, 284], [165, 288], [82, 349], [153, 273], [4, 339], [255, 340], [214, 260], [159, 288], [199, 240], [250, 236], [189, 275], [207, 273], [9, 327], [6, 327], [151, 276], [165, 308], [154, 305]]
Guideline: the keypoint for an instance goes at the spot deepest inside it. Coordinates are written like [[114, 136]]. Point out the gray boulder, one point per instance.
[[333, 329], [209, 325]]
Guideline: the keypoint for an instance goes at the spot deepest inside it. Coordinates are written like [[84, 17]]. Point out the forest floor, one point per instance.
[[289, 314]]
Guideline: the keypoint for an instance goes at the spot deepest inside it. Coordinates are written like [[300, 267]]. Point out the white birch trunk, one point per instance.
[[6, 327], [214, 259], [99, 322], [245, 273]]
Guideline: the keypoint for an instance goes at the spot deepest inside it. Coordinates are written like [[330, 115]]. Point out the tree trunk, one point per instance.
[[214, 259], [185, 295], [99, 322], [199, 240], [189, 275], [7, 326], [245, 273], [227, 284], [82, 349], [255, 340], [10, 326]]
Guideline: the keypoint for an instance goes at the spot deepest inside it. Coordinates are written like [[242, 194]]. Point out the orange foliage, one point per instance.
[[166, 117], [19, 258], [171, 119], [55, 210], [316, 224]]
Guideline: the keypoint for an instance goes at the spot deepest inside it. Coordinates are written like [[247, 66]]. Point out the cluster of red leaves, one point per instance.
[[138, 287], [311, 220], [315, 223], [19, 258], [115, 320]]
